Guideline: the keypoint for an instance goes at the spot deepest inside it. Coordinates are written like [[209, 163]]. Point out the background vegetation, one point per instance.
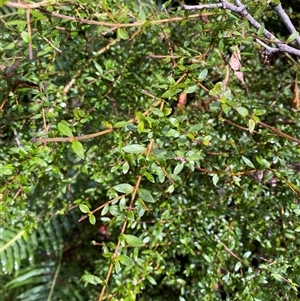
[[147, 153]]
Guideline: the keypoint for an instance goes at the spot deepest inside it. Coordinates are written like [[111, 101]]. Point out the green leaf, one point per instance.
[[259, 112], [134, 149], [170, 189], [122, 33], [25, 36], [194, 155], [225, 108], [171, 92], [292, 37], [91, 279], [64, 129], [133, 240], [248, 162], [178, 169], [125, 167], [202, 75], [124, 188], [247, 254], [141, 126], [145, 195], [237, 266], [125, 260], [261, 30], [6, 170], [217, 89], [92, 219], [297, 229], [114, 210], [105, 210], [108, 255], [84, 208], [215, 179], [263, 162], [172, 133], [157, 112], [15, 22], [195, 128], [174, 121], [277, 276], [206, 140], [191, 89], [121, 124], [142, 14], [167, 111], [117, 267], [149, 176], [297, 211], [237, 180], [78, 148], [251, 125], [98, 67], [151, 280], [242, 111]]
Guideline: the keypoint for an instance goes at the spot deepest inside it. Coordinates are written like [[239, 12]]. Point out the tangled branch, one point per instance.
[[241, 10]]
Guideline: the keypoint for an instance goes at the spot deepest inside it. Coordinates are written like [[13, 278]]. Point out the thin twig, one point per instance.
[[279, 133], [119, 25], [17, 139], [29, 33]]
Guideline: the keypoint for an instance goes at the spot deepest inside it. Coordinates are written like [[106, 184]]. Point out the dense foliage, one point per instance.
[[147, 154]]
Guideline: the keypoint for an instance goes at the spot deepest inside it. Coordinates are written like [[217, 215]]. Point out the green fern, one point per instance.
[[32, 262]]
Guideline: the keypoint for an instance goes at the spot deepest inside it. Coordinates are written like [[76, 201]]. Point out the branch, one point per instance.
[[28, 6], [118, 25], [242, 11], [286, 20], [268, 50]]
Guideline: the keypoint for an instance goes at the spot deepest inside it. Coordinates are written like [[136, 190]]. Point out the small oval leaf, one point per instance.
[[133, 240], [124, 188], [78, 149], [92, 219], [191, 89], [195, 128], [248, 162], [178, 169], [215, 179], [84, 208], [64, 129], [202, 74], [251, 125], [134, 149], [145, 195], [125, 260], [25, 36], [122, 33], [292, 37], [242, 111], [121, 124]]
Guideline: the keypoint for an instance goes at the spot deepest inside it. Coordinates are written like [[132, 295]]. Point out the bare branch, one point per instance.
[[202, 6], [241, 10], [17, 139], [27, 6], [268, 50], [286, 20]]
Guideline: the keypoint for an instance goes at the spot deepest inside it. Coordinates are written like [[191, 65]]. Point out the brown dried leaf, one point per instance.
[[235, 62], [240, 76]]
